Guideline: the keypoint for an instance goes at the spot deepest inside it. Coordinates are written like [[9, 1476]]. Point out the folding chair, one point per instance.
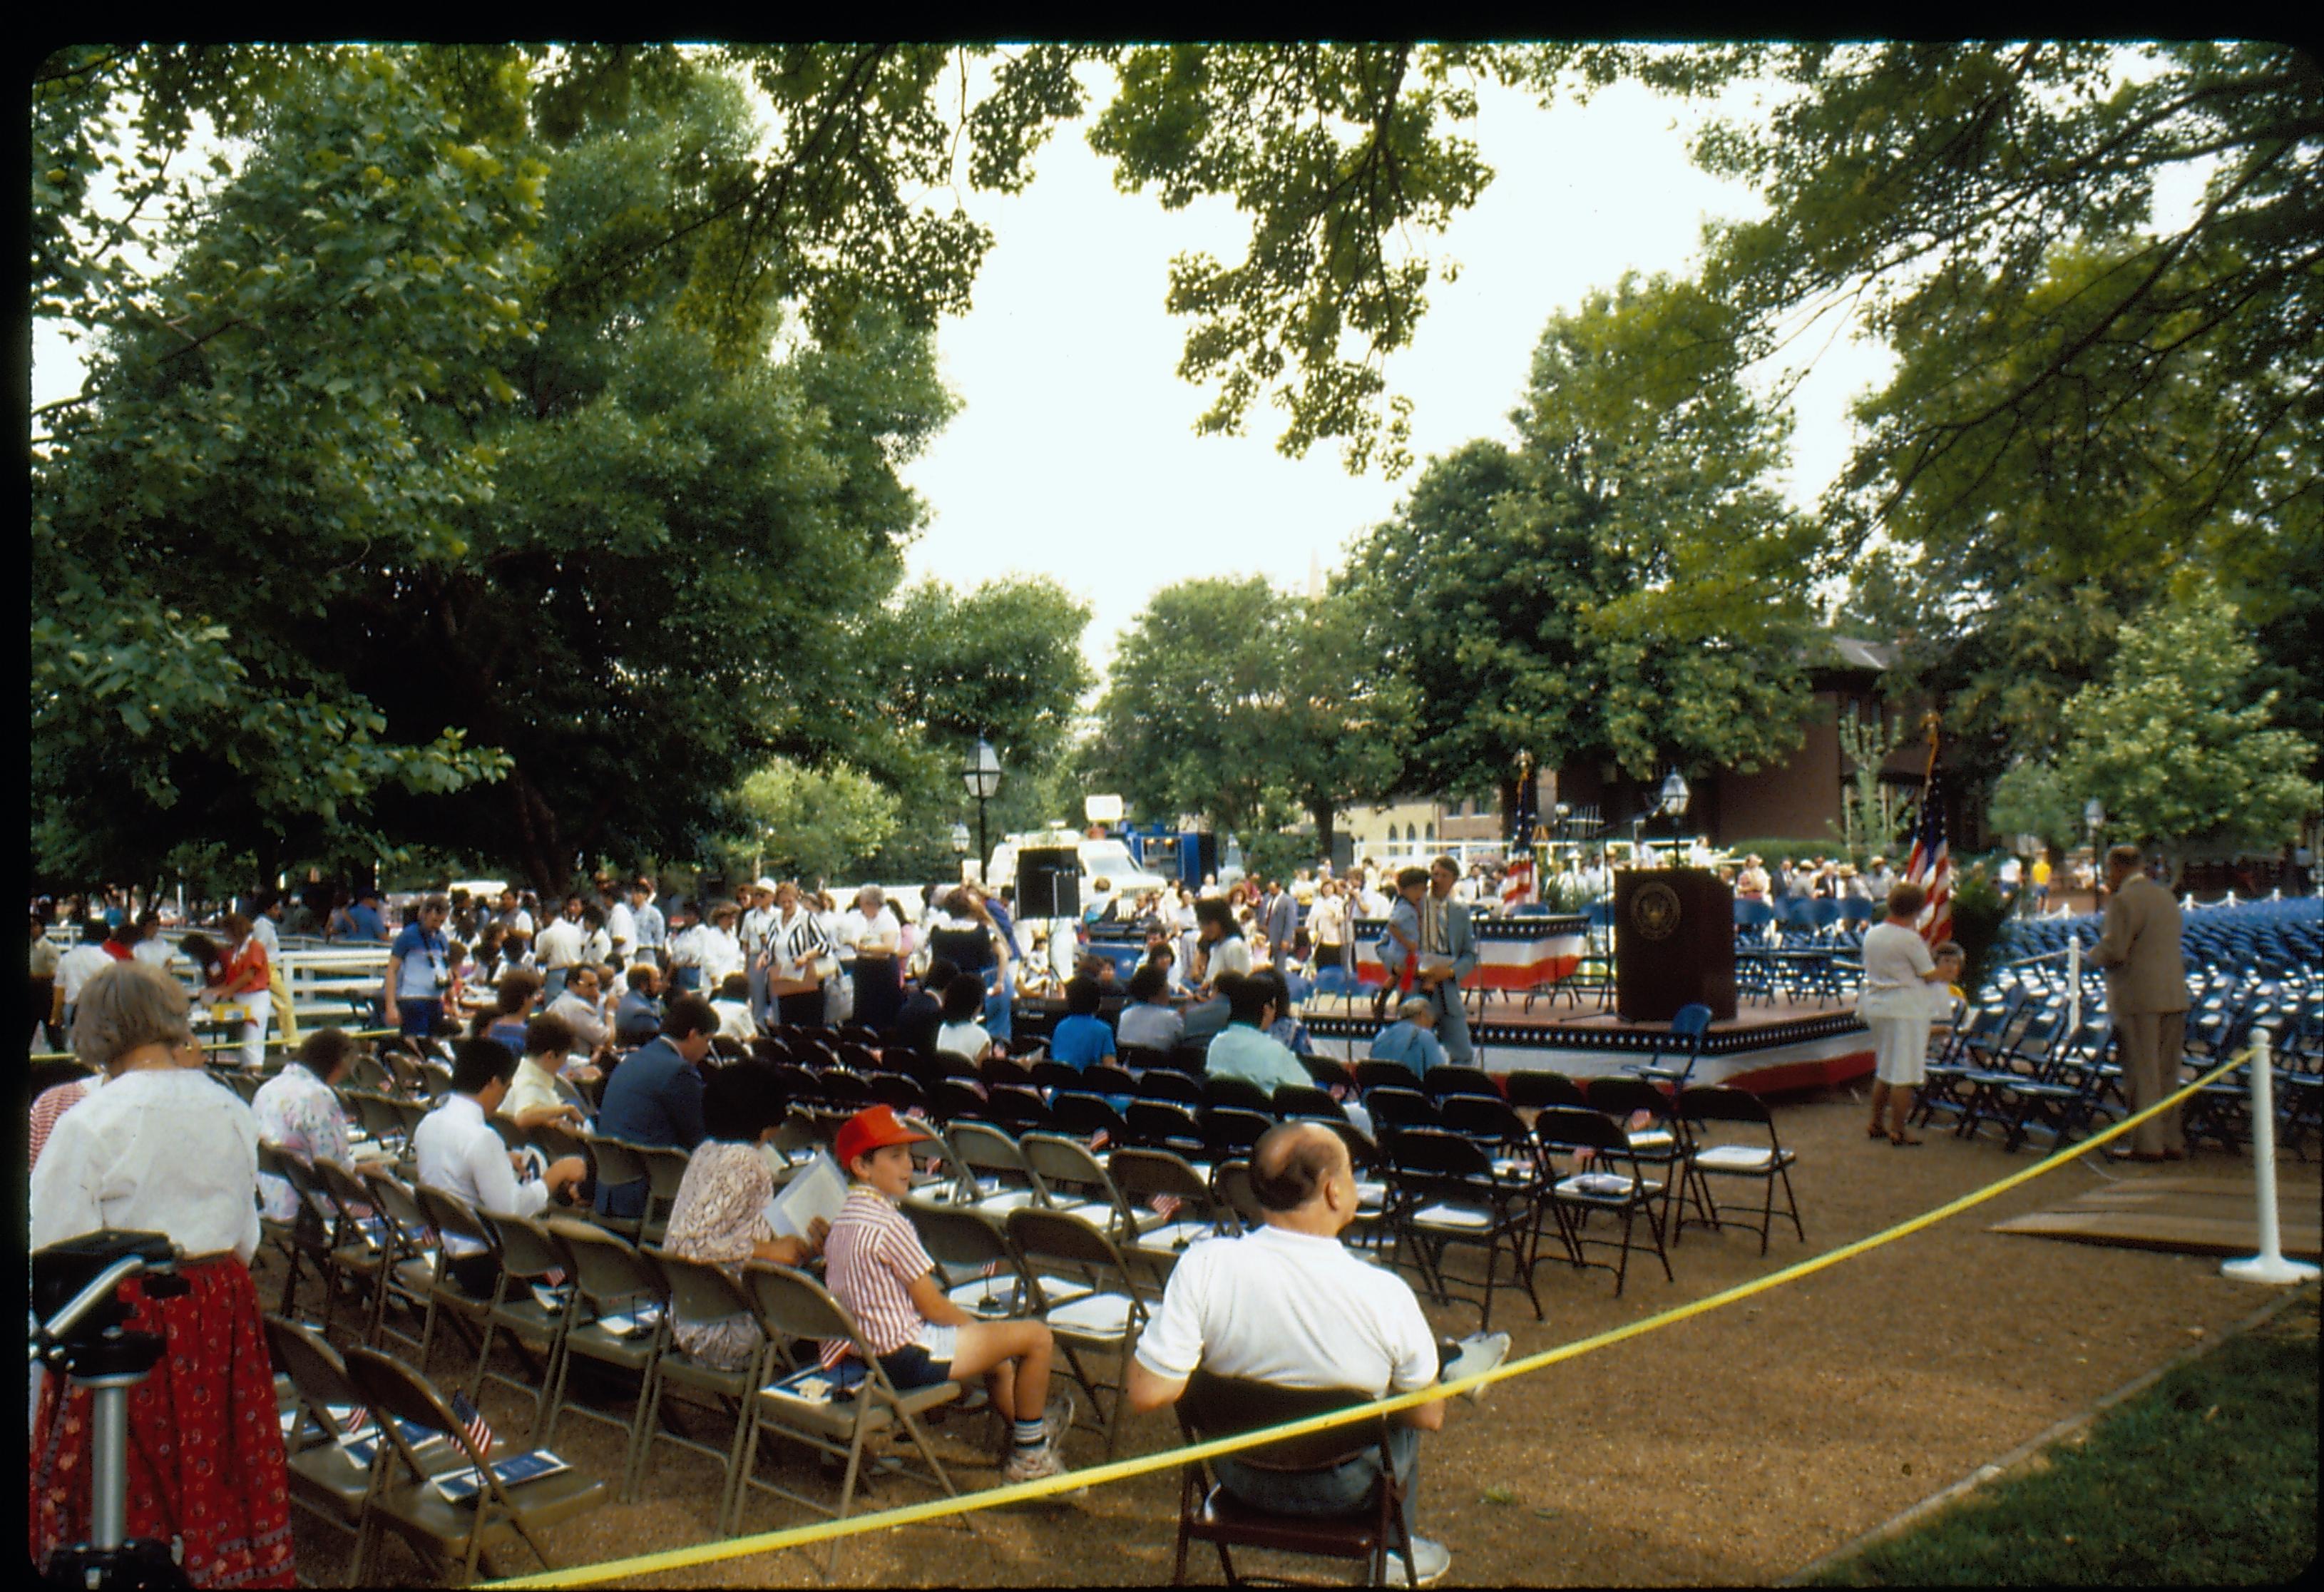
[[1612, 1183], [1238, 1094], [614, 1285], [619, 1164], [305, 1239], [1702, 1105], [1674, 1054], [1106, 1078], [1294, 1101], [1085, 1116], [906, 1094], [443, 1532], [994, 1177], [1441, 1083], [1161, 1083], [974, 1260], [1444, 1189], [359, 1243], [700, 1291], [665, 1171], [1385, 1075], [791, 1304], [1531, 1091], [1143, 1176], [326, 1479], [1109, 1317], [1402, 1108], [1217, 1406], [537, 1301], [1229, 1131], [1166, 1124], [414, 1254], [1231, 1187], [1066, 1177], [1018, 1110], [449, 1216], [1658, 1144]]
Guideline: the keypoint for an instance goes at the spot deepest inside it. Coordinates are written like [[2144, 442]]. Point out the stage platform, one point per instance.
[[1767, 1049]]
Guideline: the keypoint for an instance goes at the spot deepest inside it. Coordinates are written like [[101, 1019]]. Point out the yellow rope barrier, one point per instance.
[[230, 1045], [622, 1569]]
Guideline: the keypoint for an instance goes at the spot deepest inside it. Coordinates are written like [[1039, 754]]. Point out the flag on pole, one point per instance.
[[1517, 885], [1930, 865]]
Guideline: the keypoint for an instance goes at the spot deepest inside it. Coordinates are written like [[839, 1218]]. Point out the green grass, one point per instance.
[[2207, 1478]]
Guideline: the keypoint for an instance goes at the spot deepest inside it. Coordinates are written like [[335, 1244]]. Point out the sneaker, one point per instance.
[[1038, 1463], [1430, 1560], [1480, 1352], [1057, 1416]]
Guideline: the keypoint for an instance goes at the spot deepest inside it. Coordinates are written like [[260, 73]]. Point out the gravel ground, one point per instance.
[[1732, 1448]]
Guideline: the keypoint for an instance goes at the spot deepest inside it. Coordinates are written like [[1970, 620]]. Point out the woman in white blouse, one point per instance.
[[1904, 984], [163, 1148]]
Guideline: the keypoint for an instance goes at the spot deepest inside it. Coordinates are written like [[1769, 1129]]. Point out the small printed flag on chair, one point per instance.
[[480, 1431], [1165, 1205]]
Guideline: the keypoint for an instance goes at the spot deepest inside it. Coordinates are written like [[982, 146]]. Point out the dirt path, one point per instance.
[[1733, 1447]]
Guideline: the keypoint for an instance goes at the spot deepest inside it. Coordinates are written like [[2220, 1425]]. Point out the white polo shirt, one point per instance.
[[1292, 1309]]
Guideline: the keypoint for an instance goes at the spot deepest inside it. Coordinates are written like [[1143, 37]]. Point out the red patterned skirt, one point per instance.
[[205, 1442]]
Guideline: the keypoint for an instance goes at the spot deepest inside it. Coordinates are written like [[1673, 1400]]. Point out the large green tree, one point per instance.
[[1625, 586], [1233, 703], [2176, 742]]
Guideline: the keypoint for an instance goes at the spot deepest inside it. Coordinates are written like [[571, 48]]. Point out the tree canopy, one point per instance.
[[1623, 586]]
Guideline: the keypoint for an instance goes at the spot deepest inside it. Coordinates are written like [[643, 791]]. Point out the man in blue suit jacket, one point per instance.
[[655, 1096], [1448, 954], [1280, 920]]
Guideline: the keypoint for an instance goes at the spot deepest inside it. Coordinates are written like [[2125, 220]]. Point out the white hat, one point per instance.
[[765, 884]]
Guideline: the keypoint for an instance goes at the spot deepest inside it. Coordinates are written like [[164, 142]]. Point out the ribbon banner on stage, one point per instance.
[[1512, 953]]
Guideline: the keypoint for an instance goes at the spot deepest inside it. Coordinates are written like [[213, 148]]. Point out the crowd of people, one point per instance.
[[150, 1141]]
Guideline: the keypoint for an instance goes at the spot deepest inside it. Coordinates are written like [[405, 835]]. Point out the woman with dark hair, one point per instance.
[[162, 1148], [961, 1034], [514, 998], [720, 1215], [1219, 943]]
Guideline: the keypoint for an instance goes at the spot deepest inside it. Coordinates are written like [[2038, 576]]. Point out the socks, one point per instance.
[[1028, 1435]]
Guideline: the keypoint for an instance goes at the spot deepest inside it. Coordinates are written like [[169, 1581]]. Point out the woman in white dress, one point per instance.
[[1903, 986]]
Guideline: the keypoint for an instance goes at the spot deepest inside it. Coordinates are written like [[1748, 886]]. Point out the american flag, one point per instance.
[[1930, 865], [480, 1431], [1518, 882], [1165, 1205]]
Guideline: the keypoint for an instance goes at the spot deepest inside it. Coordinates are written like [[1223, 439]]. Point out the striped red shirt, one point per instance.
[[872, 1258]]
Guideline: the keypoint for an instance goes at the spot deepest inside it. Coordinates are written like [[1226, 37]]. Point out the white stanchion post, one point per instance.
[[2073, 985], [2269, 1265]]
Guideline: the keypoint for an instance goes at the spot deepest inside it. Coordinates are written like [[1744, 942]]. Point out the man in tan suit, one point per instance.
[[2146, 995]]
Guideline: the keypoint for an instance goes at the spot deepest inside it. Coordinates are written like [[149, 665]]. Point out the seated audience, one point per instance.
[[1411, 1039], [459, 1153], [1081, 1038], [581, 1008], [536, 1095], [962, 1034], [514, 998], [1149, 1021], [636, 1018], [1243, 1048], [922, 1012], [733, 1004], [297, 1111], [655, 1096]]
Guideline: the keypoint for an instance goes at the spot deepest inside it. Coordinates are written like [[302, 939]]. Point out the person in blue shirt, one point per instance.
[[1081, 1038], [655, 1096], [999, 1001], [420, 971], [363, 921], [1411, 1039]]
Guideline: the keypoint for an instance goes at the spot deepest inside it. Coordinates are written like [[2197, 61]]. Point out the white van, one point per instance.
[[1108, 859]]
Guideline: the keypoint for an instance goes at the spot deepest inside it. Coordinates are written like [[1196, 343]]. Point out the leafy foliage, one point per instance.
[[1623, 586], [809, 824]]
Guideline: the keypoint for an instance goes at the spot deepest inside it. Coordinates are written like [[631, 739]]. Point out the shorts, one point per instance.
[[922, 1363]]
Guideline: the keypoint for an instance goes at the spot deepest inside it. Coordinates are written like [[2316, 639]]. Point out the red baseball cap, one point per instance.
[[873, 1128]]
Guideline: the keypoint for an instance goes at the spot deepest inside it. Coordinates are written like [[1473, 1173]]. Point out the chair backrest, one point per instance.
[[1434, 1154], [379, 1116], [345, 1190], [697, 1289], [1618, 1096], [1057, 1161], [953, 1099], [902, 1092], [1231, 1179], [1138, 1058], [1229, 1130], [1443, 1081], [447, 1214], [1018, 1110], [400, 1203], [1693, 1021], [1141, 1174], [851, 1089], [619, 1162], [1565, 1128], [316, 1371], [527, 1250], [389, 1387], [1720, 1103], [1084, 1116], [1104, 1078], [1533, 1090], [981, 1147], [959, 1236], [1240, 1093], [1385, 1075], [509, 1134], [1305, 1100], [1057, 1074], [1402, 1108], [1163, 1083], [1045, 1240], [795, 1305], [1329, 1072], [665, 1168], [1214, 1406], [1003, 1069], [1484, 1121], [1162, 1125], [412, 1113], [604, 1266]]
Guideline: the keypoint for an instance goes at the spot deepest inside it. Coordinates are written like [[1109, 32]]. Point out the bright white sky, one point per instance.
[[1075, 453]]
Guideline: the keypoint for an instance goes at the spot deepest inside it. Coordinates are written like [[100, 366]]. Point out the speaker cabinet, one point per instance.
[[1049, 883]]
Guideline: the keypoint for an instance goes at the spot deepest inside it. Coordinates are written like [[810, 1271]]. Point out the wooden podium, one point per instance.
[[1674, 944]]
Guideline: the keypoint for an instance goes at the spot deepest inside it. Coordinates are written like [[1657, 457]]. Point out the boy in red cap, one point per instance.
[[877, 1268]]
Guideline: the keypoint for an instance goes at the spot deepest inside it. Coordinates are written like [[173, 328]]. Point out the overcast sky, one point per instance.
[[1074, 452]]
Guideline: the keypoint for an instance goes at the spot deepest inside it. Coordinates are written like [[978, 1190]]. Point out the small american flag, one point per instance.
[[1099, 1139], [355, 1420], [480, 1431], [1166, 1205], [1931, 863]]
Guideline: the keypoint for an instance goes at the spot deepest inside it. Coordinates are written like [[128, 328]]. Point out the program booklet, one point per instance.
[[819, 1189], [459, 1486]]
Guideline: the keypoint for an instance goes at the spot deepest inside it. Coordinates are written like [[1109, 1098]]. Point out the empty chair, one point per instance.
[[976, 1265], [1107, 1319], [1745, 1157], [1106, 1079], [848, 1091], [992, 1167], [1385, 1075], [1057, 1074], [907, 1095], [1441, 1081], [620, 1319], [328, 1480], [1329, 1072], [954, 1099], [995, 1071], [1392, 1108], [700, 1291], [1162, 1083], [1018, 1110], [1238, 1093], [1174, 1188], [1442, 1190], [1294, 1100], [1530, 1091], [1084, 1117], [1609, 1181], [1675, 1055], [452, 1537], [1166, 1124], [1068, 1178], [1229, 1132]]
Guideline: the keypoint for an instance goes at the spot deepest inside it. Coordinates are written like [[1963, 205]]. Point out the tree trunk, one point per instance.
[[1324, 813]]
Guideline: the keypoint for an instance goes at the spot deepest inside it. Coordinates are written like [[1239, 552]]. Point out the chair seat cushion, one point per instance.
[[785, 1404], [1175, 1238], [1606, 1188], [1462, 1218], [1739, 1158], [418, 1507]]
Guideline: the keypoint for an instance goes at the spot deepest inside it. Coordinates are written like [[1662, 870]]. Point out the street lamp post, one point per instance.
[[981, 775]]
